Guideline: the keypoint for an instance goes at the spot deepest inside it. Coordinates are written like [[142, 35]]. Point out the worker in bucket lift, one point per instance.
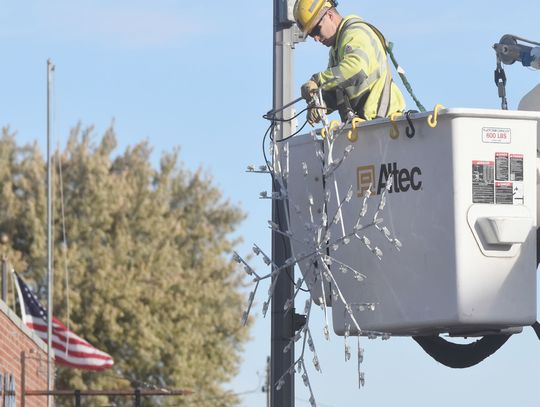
[[358, 80]]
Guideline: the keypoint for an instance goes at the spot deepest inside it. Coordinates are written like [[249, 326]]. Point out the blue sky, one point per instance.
[[199, 75]]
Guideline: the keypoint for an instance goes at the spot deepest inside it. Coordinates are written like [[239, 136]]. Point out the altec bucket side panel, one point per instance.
[[498, 289], [463, 203]]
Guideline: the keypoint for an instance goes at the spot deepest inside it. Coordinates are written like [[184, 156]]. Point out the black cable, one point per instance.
[[270, 129], [267, 162], [292, 135], [274, 119]]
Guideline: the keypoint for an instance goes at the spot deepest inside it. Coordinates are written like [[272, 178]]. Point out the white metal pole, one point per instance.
[[50, 277]]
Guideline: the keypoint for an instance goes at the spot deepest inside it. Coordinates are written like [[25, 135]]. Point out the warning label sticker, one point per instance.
[[499, 181], [504, 193], [501, 166], [516, 167], [483, 182], [496, 135]]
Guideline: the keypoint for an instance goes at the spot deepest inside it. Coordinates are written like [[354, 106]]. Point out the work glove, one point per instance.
[[308, 89], [315, 113]]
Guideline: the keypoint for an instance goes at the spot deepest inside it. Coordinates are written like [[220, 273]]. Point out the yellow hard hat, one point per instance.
[[307, 13]]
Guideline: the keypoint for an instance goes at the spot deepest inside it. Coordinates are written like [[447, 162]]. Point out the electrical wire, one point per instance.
[[274, 119], [291, 136], [267, 162]]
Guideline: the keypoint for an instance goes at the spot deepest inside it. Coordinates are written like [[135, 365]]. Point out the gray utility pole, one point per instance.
[[267, 382], [283, 323]]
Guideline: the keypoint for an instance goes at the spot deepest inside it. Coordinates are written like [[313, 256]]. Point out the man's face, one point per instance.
[[325, 30]]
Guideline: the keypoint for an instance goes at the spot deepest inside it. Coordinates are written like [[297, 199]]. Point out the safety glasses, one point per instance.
[[317, 29]]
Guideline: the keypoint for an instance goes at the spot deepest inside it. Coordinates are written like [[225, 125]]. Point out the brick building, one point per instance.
[[23, 362]]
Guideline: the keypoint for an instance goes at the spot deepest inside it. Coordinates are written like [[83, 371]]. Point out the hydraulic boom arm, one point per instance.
[[509, 50]]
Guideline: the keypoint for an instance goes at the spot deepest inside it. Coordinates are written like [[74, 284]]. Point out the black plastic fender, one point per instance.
[[459, 356]]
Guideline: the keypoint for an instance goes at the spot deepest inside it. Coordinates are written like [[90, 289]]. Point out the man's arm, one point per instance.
[[360, 49]]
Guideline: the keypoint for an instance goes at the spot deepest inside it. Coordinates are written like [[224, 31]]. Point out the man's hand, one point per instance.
[[308, 89], [315, 114]]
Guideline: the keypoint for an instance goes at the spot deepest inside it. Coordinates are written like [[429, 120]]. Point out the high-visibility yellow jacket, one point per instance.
[[358, 66]]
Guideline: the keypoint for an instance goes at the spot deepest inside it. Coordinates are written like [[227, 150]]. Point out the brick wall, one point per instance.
[[16, 339]]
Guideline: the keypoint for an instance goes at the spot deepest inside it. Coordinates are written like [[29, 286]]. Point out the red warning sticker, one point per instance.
[[483, 177], [499, 181], [504, 193], [516, 167], [501, 166]]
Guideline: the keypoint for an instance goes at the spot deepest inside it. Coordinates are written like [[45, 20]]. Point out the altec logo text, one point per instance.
[[403, 179]]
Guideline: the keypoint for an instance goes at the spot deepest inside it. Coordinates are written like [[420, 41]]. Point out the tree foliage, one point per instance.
[[149, 277]]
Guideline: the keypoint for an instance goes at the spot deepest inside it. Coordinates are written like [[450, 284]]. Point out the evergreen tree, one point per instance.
[[149, 276]]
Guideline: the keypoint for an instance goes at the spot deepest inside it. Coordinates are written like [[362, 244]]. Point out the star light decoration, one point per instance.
[[318, 237]]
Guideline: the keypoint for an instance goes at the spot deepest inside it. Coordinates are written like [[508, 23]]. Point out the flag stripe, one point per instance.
[[69, 348], [85, 352], [38, 326], [84, 366]]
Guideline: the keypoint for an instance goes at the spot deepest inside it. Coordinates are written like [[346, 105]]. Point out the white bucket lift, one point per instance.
[[463, 203]]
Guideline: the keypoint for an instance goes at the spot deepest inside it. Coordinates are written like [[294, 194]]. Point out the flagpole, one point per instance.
[[50, 277]]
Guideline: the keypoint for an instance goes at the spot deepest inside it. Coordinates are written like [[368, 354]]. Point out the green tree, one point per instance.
[[148, 258]]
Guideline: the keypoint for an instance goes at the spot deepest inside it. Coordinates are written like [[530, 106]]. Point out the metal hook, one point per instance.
[[394, 131], [333, 124], [432, 118], [352, 135], [410, 130]]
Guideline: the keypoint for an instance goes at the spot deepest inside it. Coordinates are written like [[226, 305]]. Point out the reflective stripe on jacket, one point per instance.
[[358, 65]]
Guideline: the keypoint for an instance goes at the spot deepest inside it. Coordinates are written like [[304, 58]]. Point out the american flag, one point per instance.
[[69, 349]]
